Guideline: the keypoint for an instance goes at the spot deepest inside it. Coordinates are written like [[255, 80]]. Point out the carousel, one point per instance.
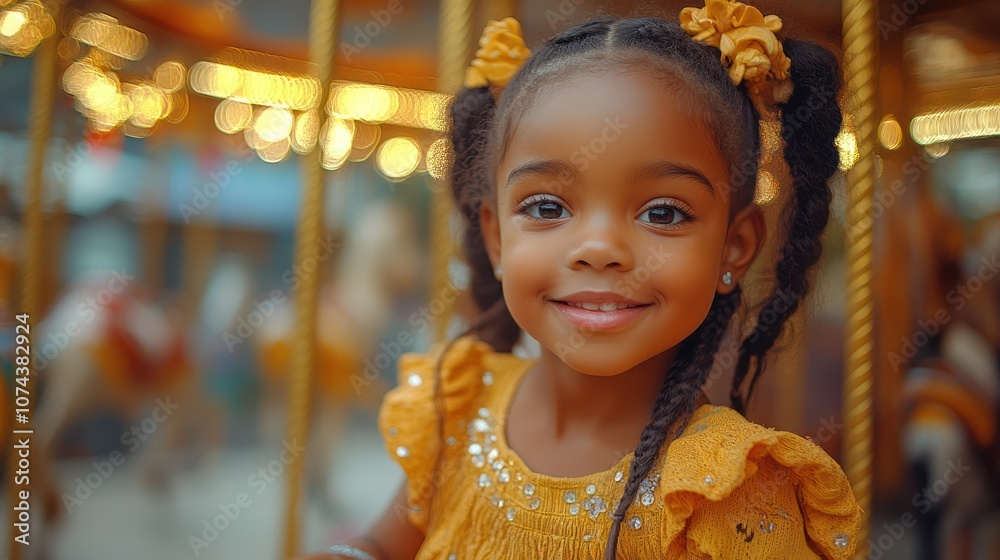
[[223, 221]]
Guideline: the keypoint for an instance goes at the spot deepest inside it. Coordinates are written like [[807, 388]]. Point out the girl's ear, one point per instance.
[[489, 223], [744, 242]]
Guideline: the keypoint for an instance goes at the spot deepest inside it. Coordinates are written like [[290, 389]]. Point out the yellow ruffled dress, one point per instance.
[[726, 489]]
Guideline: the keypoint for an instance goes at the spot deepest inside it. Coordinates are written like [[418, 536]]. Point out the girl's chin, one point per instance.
[[594, 361]]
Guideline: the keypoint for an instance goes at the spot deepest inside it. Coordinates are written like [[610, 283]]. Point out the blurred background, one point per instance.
[[174, 175]]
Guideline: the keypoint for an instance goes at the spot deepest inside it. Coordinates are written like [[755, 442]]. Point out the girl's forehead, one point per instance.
[[612, 118]]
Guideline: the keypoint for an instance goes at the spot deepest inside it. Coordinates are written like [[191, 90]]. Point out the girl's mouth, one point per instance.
[[604, 316]]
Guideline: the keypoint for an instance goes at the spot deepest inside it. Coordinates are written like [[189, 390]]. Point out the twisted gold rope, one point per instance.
[[43, 90], [860, 52], [454, 39], [322, 37]]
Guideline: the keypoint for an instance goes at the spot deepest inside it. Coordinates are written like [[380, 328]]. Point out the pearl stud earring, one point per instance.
[[727, 278], [497, 272]]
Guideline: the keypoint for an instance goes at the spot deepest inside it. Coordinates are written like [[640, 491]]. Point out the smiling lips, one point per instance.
[[599, 310]]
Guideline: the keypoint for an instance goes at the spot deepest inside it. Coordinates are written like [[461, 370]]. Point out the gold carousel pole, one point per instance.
[[860, 52], [454, 39], [322, 38], [500, 9], [43, 89]]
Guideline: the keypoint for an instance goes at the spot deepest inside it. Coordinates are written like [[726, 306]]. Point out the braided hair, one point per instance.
[[481, 130]]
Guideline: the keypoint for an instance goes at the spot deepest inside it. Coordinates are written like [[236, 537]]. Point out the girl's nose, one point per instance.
[[601, 244]]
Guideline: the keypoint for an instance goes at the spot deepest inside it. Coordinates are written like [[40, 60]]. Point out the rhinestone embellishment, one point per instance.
[[402, 452], [534, 503], [591, 489], [635, 523], [479, 425], [503, 477], [618, 476], [647, 499], [393, 431], [569, 496], [488, 378], [510, 514], [840, 540], [484, 480], [595, 506], [574, 509], [414, 380], [529, 489], [709, 479]]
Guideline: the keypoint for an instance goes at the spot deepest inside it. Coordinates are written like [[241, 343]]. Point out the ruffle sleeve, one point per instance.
[[410, 424], [738, 490]]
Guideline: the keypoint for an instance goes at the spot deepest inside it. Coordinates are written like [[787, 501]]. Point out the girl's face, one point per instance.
[[611, 186]]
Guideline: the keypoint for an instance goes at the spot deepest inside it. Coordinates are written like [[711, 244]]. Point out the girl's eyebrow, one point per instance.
[[544, 167], [669, 169]]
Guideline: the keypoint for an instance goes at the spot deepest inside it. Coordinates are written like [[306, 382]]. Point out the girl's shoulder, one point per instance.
[[416, 421], [743, 490]]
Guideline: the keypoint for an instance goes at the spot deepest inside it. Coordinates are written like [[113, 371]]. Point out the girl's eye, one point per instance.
[[539, 208], [665, 215]]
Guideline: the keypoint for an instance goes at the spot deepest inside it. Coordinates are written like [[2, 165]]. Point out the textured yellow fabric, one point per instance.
[[726, 489]]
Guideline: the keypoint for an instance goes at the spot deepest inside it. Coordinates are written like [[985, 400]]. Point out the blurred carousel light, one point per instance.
[[398, 157], [68, 49], [433, 112], [335, 139], [890, 133], [178, 107], [232, 116], [937, 150], [364, 102], [169, 76], [130, 129], [439, 158], [149, 104], [273, 152], [373, 103], [767, 189], [107, 34], [305, 132], [956, 123], [366, 137], [273, 124], [847, 145], [296, 92], [23, 27]]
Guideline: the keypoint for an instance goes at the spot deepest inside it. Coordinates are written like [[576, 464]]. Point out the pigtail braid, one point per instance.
[[811, 120], [471, 116], [676, 402]]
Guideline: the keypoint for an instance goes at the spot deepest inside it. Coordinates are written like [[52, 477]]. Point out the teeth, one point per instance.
[[607, 306]]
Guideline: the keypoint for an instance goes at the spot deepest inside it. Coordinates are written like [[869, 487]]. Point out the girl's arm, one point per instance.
[[390, 538]]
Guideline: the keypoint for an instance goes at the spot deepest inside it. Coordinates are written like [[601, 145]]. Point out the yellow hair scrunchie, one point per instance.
[[749, 44], [501, 53]]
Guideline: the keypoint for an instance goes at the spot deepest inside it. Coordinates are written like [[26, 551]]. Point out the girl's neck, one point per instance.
[[615, 407]]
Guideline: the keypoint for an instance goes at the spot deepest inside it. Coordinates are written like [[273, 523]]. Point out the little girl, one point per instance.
[[607, 181]]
